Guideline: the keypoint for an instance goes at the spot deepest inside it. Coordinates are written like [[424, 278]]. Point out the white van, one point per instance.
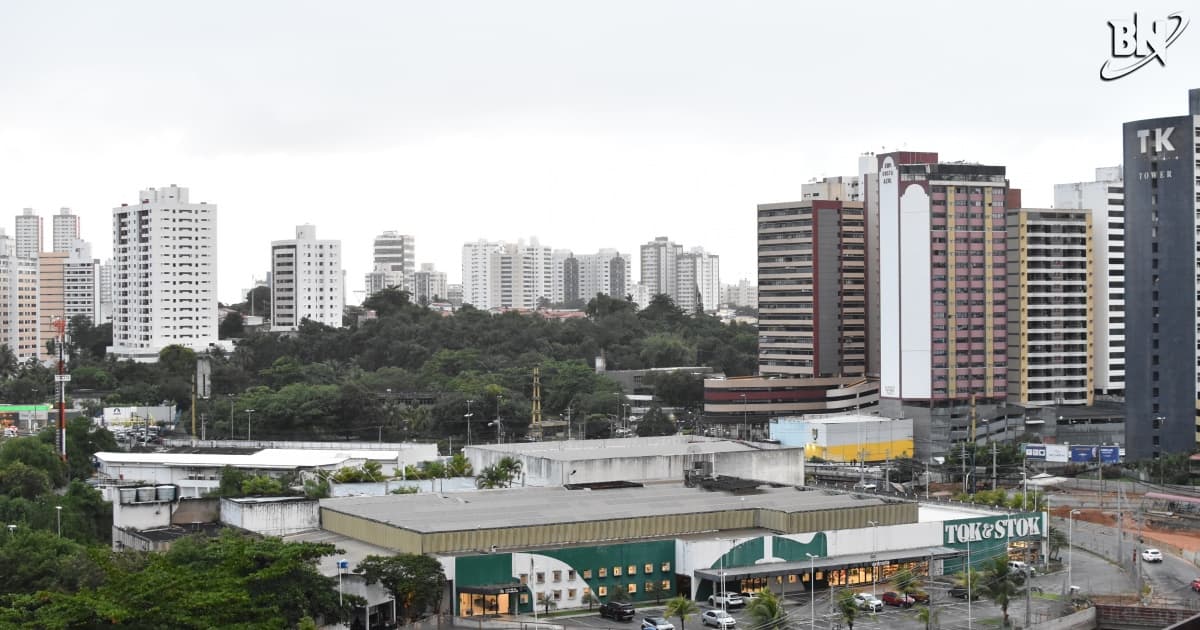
[[1020, 567]]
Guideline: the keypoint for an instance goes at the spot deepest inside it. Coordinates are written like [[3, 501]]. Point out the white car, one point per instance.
[[1152, 555], [657, 623], [717, 618], [729, 600], [867, 601]]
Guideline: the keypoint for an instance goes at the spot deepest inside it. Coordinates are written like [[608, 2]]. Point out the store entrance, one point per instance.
[[479, 604]]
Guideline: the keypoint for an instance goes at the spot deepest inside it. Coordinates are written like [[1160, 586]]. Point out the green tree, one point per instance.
[[232, 326], [459, 465], [766, 611], [681, 608], [928, 615], [510, 467], [546, 601], [907, 582], [970, 579], [22, 481], [1001, 583], [1057, 540], [414, 580], [34, 453], [847, 607], [655, 422], [491, 477]]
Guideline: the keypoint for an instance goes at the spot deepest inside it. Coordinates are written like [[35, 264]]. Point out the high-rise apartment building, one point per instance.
[[1162, 267], [429, 285], [19, 301], [607, 272], [306, 281], [81, 286], [812, 289], [65, 230], [29, 234], [67, 288], [105, 290], [943, 298], [537, 274], [558, 259], [164, 274], [744, 293], [570, 283], [507, 275], [659, 273], [841, 188], [1050, 350], [697, 281], [1104, 198], [393, 263], [481, 274]]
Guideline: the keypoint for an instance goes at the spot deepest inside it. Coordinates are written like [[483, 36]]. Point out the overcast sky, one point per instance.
[[587, 125]]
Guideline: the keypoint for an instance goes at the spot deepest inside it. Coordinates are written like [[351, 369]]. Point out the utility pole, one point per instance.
[[964, 466], [1120, 533], [993, 466], [1028, 587]]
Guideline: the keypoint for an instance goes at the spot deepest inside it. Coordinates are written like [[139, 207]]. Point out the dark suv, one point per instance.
[[617, 611]]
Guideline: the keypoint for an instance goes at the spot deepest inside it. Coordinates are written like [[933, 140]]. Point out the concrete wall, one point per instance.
[[273, 518], [1082, 620], [189, 511], [138, 516], [378, 489], [411, 453]]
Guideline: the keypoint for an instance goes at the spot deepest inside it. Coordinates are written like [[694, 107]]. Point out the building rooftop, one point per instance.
[[270, 458], [579, 450], [532, 506]]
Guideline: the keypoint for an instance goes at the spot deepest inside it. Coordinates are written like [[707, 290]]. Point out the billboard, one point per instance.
[[1110, 454], [1057, 453], [1081, 454], [1035, 451]]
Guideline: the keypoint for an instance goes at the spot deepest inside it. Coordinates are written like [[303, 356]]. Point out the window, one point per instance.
[[587, 574], [557, 595], [524, 598], [616, 571], [632, 589], [525, 578], [571, 575], [648, 569], [541, 577], [557, 576], [665, 585], [632, 569], [648, 588], [602, 591], [603, 572], [666, 566], [570, 593]]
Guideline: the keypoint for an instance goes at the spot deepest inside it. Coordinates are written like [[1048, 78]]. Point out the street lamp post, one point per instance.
[[499, 427], [874, 529], [230, 415], [812, 591], [970, 593], [745, 425], [468, 417], [248, 412], [58, 518], [1070, 546]]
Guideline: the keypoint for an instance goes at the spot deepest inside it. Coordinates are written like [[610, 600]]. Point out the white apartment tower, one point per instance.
[[19, 303], [306, 281], [104, 302], [429, 284], [1105, 200], [659, 266], [81, 294], [537, 274], [698, 281], [164, 274], [66, 230], [29, 234], [394, 262], [481, 274], [607, 272]]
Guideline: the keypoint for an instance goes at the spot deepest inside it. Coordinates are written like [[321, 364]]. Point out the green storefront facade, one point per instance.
[[1021, 536]]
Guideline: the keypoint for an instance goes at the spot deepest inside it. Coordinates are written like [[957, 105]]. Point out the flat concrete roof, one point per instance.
[[579, 450], [938, 512], [266, 458], [532, 506]]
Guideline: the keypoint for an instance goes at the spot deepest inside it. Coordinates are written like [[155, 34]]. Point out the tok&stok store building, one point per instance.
[[505, 550]]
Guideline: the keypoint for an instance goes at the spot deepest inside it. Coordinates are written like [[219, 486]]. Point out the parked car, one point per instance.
[[1196, 585], [1021, 568], [961, 593], [657, 623], [717, 618], [921, 597], [1152, 555], [618, 611], [867, 601], [864, 487], [748, 597], [729, 600], [892, 598]]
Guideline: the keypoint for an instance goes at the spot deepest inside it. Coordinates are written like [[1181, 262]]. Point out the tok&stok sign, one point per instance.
[[997, 528]]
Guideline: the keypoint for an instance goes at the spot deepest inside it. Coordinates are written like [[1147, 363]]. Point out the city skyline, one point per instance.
[[509, 127]]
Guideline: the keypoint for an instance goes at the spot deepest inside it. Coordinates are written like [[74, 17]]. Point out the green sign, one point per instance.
[[994, 528]]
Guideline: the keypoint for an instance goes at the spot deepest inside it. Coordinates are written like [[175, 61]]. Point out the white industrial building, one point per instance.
[[306, 281], [164, 274], [847, 437], [641, 459], [196, 474]]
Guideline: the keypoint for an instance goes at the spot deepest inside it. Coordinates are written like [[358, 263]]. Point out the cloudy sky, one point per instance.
[[587, 125]]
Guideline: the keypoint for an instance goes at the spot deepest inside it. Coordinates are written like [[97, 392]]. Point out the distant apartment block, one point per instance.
[[658, 267], [65, 230], [306, 281], [67, 288], [429, 285], [104, 288], [29, 234], [812, 289], [744, 293], [500, 275], [481, 274], [164, 274], [393, 262], [607, 272], [19, 301], [1104, 198], [697, 281], [1050, 307], [841, 188]]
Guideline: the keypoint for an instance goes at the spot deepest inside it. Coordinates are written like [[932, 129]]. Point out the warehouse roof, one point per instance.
[[279, 458], [578, 450], [523, 507]]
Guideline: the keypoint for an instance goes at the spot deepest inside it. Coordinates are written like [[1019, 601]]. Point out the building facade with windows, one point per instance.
[[65, 230], [1162, 283], [164, 274], [306, 281], [28, 234], [393, 262]]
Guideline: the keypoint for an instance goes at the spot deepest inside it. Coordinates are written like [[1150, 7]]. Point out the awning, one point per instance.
[[832, 562], [493, 589]]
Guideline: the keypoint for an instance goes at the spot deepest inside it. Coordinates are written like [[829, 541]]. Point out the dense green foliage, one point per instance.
[[415, 580], [350, 383]]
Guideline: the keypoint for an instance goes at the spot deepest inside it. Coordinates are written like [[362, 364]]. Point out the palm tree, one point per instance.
[[510, 467], [907, 582], [491, 477], [766, 611], [546, 602], [459, 465], [682, 607], [929, 615], [1058, 540], [1001, 583], [590, 598], [972, 580], [848, 608], [8, 362]]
